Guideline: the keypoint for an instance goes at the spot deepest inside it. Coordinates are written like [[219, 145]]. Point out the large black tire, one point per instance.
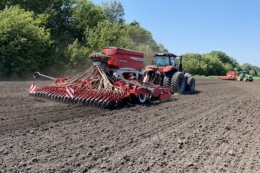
[[167, 80], [190, 86], [178, 82]]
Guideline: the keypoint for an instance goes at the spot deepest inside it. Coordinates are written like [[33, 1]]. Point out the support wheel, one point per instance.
[[139, 98], [178, 82], [142, 98]]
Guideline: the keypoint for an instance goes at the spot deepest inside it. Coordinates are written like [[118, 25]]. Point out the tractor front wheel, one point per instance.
[[167, 80], [178, 82]]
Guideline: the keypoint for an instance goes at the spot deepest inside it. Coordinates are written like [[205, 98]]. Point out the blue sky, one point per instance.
[[201, 26]]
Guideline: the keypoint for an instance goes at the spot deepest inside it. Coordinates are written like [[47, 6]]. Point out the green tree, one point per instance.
[[227, 67], [229, 62], [246, 67], [59, 20], [146, 49], [139, 35], [85, 15], [252, 72], [78, 54], [58, 11], [215, 66], [114, 10], [191, 63], [161, 48], [25, 45], [106, 33], [135, 23]]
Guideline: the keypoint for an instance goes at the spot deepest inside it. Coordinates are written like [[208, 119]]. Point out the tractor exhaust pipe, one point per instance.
[[37, 75], [180, 65]]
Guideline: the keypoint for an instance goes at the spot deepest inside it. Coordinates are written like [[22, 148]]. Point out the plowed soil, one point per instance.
[[215, 129]]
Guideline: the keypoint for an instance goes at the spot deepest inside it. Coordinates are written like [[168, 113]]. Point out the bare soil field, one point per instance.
[[215, 129]]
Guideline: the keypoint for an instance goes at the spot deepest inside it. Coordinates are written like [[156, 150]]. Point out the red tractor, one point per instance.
[[165, 72]]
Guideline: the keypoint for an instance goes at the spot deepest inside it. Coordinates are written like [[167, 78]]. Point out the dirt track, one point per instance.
[[215, 129]]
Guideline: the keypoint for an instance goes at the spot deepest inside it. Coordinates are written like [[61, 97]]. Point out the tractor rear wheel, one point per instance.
[[178, 83], [245, 79], [190, 86]]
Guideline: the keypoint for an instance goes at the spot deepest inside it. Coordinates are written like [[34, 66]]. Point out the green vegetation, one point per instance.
[[215, 77], [54, 36], [25, 43], [215, 63], [203, 76], [257, 78]]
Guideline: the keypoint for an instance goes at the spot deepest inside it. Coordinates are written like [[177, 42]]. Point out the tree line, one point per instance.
[[215, 63], [56, 36]]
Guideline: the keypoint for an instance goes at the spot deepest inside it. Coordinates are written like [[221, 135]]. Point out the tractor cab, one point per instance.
[[165, 62], [164, 59], [243, 73]]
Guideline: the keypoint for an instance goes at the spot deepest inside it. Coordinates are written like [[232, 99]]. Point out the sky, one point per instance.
[[200, 26]]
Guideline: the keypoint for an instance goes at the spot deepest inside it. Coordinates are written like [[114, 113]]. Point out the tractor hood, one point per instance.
[[159, 69]]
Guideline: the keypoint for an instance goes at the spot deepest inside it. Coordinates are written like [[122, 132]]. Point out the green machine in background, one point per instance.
[[245, 76]]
